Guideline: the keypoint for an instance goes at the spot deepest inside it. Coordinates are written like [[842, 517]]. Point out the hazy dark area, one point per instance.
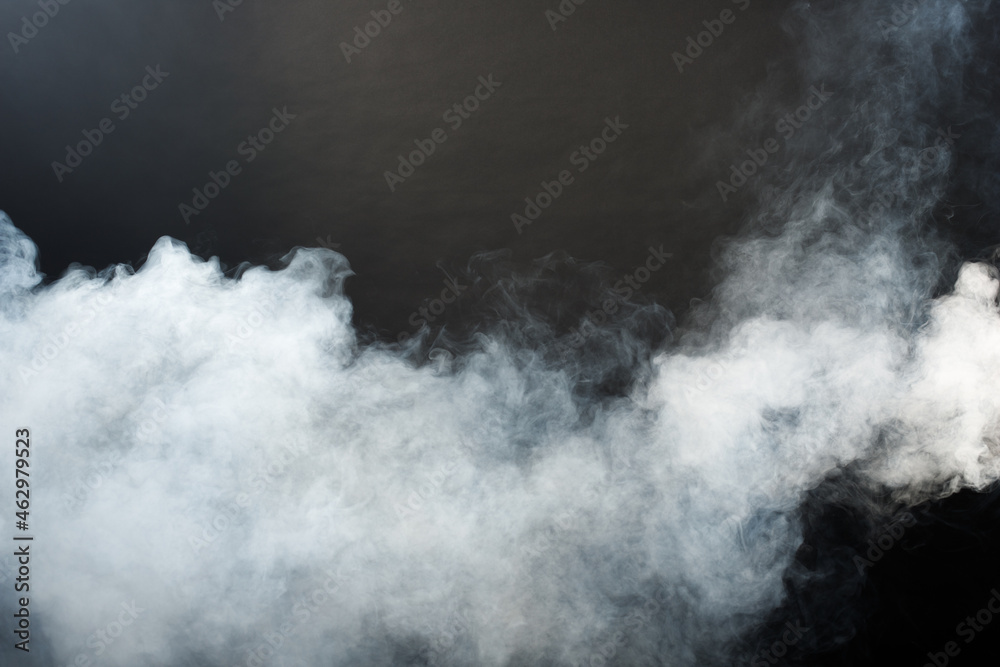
[[322, 178]]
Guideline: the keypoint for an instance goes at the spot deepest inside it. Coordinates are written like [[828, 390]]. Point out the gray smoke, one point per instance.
[[224, 475]]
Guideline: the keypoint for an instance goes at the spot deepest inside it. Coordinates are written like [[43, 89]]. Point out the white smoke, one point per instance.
[[223, 455]]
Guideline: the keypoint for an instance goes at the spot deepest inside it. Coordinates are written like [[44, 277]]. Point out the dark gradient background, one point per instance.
[[321, 182], [323, 177]]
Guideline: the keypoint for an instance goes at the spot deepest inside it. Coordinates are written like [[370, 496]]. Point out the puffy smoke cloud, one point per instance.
[[223, 474]]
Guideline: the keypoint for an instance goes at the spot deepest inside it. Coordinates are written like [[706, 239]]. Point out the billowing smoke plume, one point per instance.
[[224, 475]]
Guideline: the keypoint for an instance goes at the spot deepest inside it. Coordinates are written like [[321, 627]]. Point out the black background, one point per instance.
[[322, 179]]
